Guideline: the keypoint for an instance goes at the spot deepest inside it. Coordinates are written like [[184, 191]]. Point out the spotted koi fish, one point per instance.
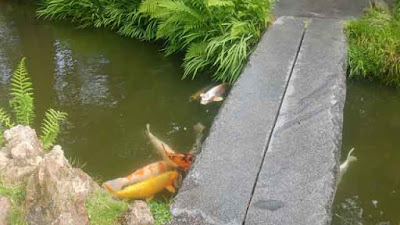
[[183, 160], [161, 147], [148, 188], [142, 174]]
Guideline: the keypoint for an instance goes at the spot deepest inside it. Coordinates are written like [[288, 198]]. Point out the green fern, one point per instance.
[[22, 95], [5, 122], [51, 127]]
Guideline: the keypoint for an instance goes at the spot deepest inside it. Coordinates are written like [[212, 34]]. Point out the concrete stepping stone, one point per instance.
[[218, 188], [297, 180]]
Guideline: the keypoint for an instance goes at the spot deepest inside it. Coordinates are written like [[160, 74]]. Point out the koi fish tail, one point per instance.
[[148, 129], [109, 188], [351, 158]]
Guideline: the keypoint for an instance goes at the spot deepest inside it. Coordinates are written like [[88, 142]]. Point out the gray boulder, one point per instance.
[[5, 207], [21, 155], [56, 192], [138, 214]]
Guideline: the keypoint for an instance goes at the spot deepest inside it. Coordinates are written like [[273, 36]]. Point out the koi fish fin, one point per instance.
[[217, 99], [351, 158], [170, 188], [109, 188], [116, 184], [149, 198]]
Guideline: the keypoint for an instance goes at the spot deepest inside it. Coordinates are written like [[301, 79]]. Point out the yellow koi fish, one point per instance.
[[142, 174], [148, 188], [161, 147]]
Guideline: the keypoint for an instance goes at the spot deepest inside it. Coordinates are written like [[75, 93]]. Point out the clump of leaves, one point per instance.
[[215, 35], [103, 209], [16, 194], [21, 102], [374, 46], [160, 211]]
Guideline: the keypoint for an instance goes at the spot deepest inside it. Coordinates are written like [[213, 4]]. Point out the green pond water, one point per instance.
[[110, 86], [369, 192]]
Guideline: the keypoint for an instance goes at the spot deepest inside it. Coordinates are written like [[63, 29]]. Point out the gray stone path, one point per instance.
[[272, 155]]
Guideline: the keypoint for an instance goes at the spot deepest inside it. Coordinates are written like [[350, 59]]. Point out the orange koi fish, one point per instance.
[[142, 174], [196, 95], [161, 147], [215, 94], [148, 188], [183, 160]]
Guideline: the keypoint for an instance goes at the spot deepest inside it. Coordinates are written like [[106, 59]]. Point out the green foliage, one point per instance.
[[103, 209], [214, 34], [17, 195], [51, 127], [22, 95], [22, 104], [160, 211], [374, 46], [5, 122]]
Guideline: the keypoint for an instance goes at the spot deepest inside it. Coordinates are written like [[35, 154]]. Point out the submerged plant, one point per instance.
[[215, 35], [374, 46], [21, 102]]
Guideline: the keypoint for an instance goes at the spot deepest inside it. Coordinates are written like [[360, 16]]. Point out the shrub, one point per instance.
[[374, 46], [214, 34]]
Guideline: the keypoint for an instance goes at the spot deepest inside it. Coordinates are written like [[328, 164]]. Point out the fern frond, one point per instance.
[[5, 122], [22, 95], [51, 127]]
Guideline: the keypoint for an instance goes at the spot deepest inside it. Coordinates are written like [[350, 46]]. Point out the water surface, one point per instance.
[[110, 86], [370, 192]]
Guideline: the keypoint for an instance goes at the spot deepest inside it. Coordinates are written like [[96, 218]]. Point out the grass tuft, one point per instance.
[[103, 209], [17, 195], [374, 46], [160, 211]]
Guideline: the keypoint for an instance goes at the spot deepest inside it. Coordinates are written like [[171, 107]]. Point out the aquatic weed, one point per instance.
[[160, 211], [16, 194]]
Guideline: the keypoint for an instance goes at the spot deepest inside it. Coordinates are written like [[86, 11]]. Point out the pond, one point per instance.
[[110, 86], [369, 192]]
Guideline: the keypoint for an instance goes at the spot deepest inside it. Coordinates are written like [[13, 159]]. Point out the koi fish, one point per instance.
[[161, 147], [345, 165], [214, 94], [196, 95], [142, 174], [148, 188], [183, 160]]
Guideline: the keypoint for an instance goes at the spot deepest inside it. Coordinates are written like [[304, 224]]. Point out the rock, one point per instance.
[[5, 207], [21, 155], [138, 214], [56, 192]]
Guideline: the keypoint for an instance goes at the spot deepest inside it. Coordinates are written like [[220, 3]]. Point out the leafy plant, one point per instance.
[[216, 35], [160, 211], [21, 102], [374, 46], [103, 209], [22, 95], [51, 127]]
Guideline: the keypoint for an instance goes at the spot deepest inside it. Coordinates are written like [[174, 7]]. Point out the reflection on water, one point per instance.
[[109, 85], [369, 192]]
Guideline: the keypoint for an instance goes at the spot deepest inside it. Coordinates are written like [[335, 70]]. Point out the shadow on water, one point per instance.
[[110, 86], [370, 191]]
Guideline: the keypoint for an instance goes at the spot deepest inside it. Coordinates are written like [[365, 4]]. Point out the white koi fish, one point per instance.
[[345, 165], [214, 94]]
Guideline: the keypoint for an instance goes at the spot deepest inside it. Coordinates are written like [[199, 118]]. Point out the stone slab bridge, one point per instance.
[[272, 155]]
